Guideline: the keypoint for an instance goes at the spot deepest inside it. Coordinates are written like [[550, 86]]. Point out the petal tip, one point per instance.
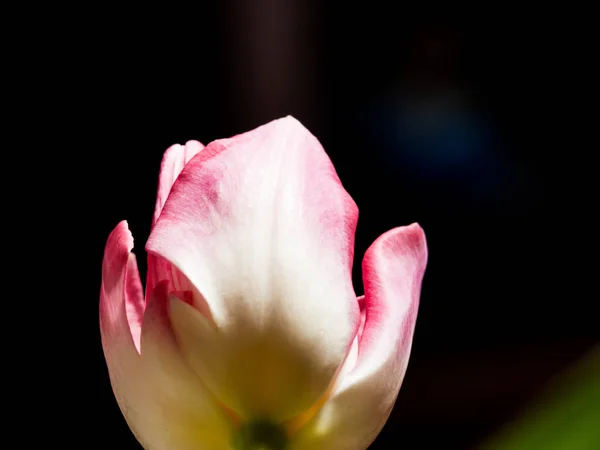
[[417, 239], [411, 234], [195, 145], [290, 123], [116, 252], [415, 233], [405, 241], [289, 118], [121, 235]]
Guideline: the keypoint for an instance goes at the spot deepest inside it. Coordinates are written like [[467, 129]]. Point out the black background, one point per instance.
[[501, 312]]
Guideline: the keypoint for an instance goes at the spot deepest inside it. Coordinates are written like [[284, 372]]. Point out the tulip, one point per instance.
[[250, 335]]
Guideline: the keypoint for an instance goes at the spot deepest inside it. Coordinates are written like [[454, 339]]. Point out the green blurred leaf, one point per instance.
[[566, 417]]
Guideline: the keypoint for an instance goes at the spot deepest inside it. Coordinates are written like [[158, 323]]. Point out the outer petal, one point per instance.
[[262, 227], [162, 400], [174, 160], [121, 295], [393, 269]]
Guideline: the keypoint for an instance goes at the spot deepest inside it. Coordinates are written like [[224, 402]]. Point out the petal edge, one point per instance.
[[393, 269]]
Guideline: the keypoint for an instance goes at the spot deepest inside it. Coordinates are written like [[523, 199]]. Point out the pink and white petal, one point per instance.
[[121, 295], [393, 269], [174, 160], [162, 400], [262, 227]]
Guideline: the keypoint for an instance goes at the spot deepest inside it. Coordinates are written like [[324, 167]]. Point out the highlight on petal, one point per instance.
[[174, 160], [264, 231], [163, 401], [393, 269]]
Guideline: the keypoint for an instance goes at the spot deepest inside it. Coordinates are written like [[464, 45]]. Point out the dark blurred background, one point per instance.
[[429, 117]]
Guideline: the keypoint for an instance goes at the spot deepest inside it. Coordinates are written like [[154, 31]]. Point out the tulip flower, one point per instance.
[[249, 334]]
